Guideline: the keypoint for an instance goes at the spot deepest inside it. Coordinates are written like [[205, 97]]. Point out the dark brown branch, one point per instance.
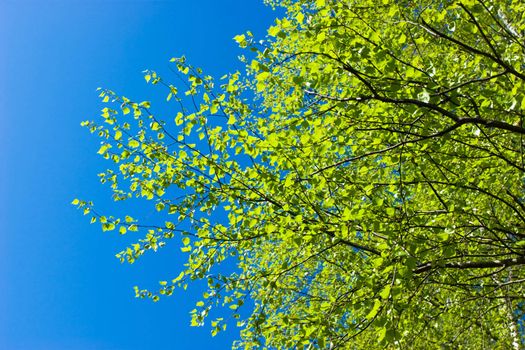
[[473, 50], [470, 264], [354, 245]]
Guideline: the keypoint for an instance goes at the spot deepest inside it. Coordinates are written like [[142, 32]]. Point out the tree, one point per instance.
[[365, 177]]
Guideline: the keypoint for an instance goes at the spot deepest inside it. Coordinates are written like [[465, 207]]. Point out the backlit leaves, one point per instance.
[[364, 178]]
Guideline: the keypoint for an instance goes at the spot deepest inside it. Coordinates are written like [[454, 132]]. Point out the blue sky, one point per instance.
[[60, 284]]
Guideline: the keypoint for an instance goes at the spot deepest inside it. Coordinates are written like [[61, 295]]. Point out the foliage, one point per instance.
[[365, 176]]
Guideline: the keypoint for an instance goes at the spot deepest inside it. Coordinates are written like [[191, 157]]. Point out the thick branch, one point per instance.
[[473, 50], [471, 264]]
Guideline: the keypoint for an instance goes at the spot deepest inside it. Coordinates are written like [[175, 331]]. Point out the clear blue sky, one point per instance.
[[60, 285]]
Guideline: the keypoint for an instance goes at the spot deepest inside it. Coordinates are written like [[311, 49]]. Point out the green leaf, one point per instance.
[[133, 143], [443, 237], [178, 278], [385, 293], [118, 135], [374, 311]]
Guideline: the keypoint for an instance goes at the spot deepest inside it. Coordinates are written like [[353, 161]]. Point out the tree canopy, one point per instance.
[[360, 185]]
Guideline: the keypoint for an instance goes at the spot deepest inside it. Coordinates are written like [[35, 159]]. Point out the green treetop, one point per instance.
[[365, 176]]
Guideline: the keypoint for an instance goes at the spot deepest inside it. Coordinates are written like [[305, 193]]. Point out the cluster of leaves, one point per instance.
[[366, 177]]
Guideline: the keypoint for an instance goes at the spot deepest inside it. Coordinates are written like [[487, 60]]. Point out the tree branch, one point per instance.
[[470, 264]]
